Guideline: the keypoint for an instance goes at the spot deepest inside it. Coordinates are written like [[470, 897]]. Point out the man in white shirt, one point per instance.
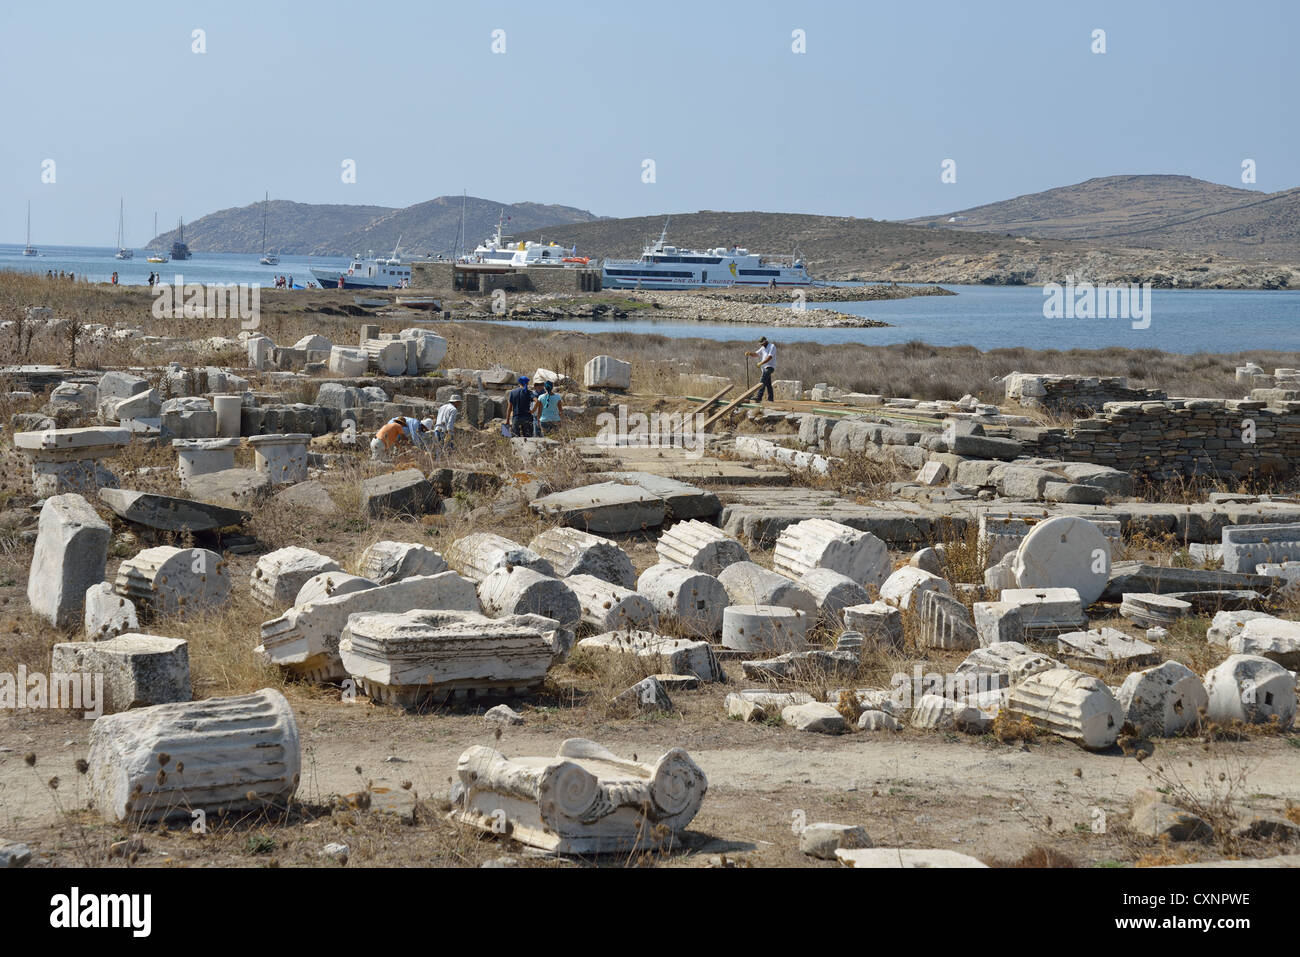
[[446, 422], [766, 356]]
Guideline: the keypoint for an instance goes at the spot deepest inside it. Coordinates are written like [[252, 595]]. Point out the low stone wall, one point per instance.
[[1073, 393], [1159, 440], [447, 279]]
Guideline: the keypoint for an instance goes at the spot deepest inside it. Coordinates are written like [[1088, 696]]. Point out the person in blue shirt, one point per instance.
[[519, 410], [548, 408]]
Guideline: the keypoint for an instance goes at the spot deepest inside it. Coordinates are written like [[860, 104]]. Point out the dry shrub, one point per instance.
[[1007, 728], [1037, 856]]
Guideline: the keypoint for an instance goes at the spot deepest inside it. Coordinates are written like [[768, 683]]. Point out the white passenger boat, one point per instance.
[[662, 266]]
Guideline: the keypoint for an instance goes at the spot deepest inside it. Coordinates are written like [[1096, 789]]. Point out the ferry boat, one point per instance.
[[371, 273], [662, 266], [496, 251]]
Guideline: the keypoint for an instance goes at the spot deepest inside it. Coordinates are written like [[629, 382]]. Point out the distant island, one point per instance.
[[1171, 231], [307, 229]]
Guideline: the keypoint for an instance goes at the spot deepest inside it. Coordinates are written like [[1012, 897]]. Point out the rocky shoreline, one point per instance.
[[1037, 266], [674, 307]]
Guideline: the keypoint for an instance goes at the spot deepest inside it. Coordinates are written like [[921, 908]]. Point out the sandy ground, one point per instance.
[[982, 797]]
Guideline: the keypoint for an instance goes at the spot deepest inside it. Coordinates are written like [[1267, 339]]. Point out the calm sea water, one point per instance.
[[993, 317], [98, 265], [987, 317]]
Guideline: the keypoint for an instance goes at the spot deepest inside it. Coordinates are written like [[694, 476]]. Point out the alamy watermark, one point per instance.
[[182, 300], [678, 430], [906, 690], [1086, 300], [57, 691]]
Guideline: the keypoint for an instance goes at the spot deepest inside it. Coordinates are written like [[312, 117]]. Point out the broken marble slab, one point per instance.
[[660, 653], [823, 839], [648, 694], [233, 488], [304, 640], [760, 704], [810, 665], [138, 670], [814, 716], [585, 800], [1105, 646], [1150, 610], [167, 514], [991, 663], [1227, 624], [682, 500], [223, 755], [1272, 638], [69, 557], [1163, 580], [604, 508], [1246, 546], [1209, 602], [411, 657]]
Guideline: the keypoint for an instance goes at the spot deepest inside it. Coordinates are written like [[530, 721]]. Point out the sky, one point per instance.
[[714, 95]]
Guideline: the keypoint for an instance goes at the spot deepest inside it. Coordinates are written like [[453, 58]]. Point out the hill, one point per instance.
[[834, 247], [1151, 211], [324, 230]]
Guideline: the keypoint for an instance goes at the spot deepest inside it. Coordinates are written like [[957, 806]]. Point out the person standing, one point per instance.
[[549, 408], [766, 356], [519, 410]]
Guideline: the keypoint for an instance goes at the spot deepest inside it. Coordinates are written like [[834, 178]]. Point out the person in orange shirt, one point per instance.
[[386, 439]]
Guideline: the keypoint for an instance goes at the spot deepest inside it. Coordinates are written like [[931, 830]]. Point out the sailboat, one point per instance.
[[29, 249], [268, 259], [122, 251], [179, 249], [155, 258]]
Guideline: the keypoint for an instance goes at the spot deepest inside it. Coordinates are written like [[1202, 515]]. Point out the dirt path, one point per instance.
[[976, 795]]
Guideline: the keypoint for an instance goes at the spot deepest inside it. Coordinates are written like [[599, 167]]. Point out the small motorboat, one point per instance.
[[419, 302]]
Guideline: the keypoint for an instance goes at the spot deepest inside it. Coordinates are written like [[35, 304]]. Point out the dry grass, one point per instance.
[[912, 369]]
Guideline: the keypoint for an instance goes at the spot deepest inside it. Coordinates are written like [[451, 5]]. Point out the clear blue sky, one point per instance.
[[858, 125]]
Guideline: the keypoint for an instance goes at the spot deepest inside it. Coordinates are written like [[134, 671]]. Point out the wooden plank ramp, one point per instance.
[[711, 401], [730, 406]]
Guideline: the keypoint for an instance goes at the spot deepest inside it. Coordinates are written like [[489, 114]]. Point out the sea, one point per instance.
[[1183, 321], [98, 264]]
